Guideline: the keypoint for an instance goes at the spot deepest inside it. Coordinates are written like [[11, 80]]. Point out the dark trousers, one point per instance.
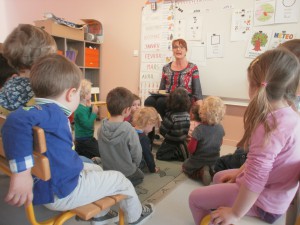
[[136, 178], [87, 148], [157, 102]]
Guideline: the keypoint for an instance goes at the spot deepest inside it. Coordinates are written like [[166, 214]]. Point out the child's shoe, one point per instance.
[[111, 217], [206, 177], [148, 209]]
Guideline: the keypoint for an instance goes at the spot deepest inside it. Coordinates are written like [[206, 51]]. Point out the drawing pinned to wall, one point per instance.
[[280, 37], [194, 28], [287, 11], [258, 43], [197, 53], [215, 45], [179, 28], [241, 24], [264, 12]]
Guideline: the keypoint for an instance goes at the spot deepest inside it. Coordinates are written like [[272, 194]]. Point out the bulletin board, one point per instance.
[[223, 37]]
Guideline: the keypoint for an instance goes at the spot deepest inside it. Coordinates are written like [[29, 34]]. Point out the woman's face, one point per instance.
[[179, 51]]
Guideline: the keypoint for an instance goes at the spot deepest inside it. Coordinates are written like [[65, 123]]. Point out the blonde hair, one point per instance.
[[274, 75], [145, 116], [212, 110], [86, 87]]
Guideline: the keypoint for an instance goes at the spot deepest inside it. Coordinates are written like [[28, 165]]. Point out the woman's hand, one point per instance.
[[224, 216]]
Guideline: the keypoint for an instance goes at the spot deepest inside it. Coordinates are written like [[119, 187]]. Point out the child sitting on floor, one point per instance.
[[84, 118], [206, 141], [55, 81], [135, 106], [23, 46], [175, 127], [118, 142], [195, 120], [144, 120]]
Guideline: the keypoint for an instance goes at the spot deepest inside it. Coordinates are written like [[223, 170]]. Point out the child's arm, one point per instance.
[[165, 126], [20, 189], [86, 120], [135, 147], [192, 146], [243, 203], [146, 147]]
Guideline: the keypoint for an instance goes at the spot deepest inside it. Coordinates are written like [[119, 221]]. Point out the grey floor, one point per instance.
[[172, 209]]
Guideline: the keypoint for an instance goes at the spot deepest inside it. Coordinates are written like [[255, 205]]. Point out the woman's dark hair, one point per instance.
[[6, 71], [179, 100]]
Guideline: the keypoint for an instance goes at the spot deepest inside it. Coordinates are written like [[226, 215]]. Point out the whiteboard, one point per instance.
[[224, 76]]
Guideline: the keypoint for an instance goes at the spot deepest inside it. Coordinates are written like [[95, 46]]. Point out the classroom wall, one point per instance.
[[121, 21]]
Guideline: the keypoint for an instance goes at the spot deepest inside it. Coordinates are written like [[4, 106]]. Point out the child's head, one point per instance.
[[212, 110], [179, 100], [119, 99], [136, 103], [85, 92], [6, 71], [145, 119], [273, 78], [293, 46], [55, 77], [25, 44], [194, 113]]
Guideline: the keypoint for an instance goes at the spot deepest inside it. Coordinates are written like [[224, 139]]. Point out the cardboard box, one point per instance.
[[91, 57], [60, 30]]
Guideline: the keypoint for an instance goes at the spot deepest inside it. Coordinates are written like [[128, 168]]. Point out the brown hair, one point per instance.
[[51, 75], [275, 75], [6, 71], [293, 46], [136, 97], [195, 112], [180, 42], [212, 110], [179, 100], [118, 99], [145, 116], [25, 44]]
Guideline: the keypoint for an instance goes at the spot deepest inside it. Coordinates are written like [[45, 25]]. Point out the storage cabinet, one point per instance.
[[86, 56]]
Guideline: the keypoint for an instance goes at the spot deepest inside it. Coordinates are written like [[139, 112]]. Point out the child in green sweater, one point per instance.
[[84, 118]]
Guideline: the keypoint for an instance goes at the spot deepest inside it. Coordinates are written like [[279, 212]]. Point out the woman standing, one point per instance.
[[178, 73]]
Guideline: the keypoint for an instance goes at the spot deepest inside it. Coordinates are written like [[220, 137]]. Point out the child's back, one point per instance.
[[206, 141], [118, 142]]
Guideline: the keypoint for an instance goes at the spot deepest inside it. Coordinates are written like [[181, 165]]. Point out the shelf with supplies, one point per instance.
[[85, 54]]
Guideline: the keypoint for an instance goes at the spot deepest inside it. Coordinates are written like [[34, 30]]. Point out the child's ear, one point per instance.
[[70, 94], [127, 111]]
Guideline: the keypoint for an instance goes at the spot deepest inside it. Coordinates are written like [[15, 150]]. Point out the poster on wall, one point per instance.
[[287, 11], [264, 12], [279, 37], [156, 49], [241, 24], [258, 43], [215, 45]]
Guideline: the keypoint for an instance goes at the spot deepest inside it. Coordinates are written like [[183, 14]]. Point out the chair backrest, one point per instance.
[[41, 167], [95, 91]]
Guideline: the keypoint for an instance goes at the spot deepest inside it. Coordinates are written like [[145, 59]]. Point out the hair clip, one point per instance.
[[264, 84]]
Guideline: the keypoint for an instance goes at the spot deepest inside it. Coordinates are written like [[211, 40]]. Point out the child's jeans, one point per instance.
[[93, 184]]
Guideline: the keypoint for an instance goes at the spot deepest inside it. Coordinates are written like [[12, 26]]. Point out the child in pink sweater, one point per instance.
[[266, 184]]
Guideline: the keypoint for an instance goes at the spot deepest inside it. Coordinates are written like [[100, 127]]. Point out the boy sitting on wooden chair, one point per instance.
[[56, 83]]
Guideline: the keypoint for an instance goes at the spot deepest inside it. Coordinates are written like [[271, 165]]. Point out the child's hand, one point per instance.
[[20, 189], [88, 103], [157, 169], [224, 215], [95, 109]]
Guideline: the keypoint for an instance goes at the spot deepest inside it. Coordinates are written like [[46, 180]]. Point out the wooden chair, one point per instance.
[[95, 91], [41, 169]]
